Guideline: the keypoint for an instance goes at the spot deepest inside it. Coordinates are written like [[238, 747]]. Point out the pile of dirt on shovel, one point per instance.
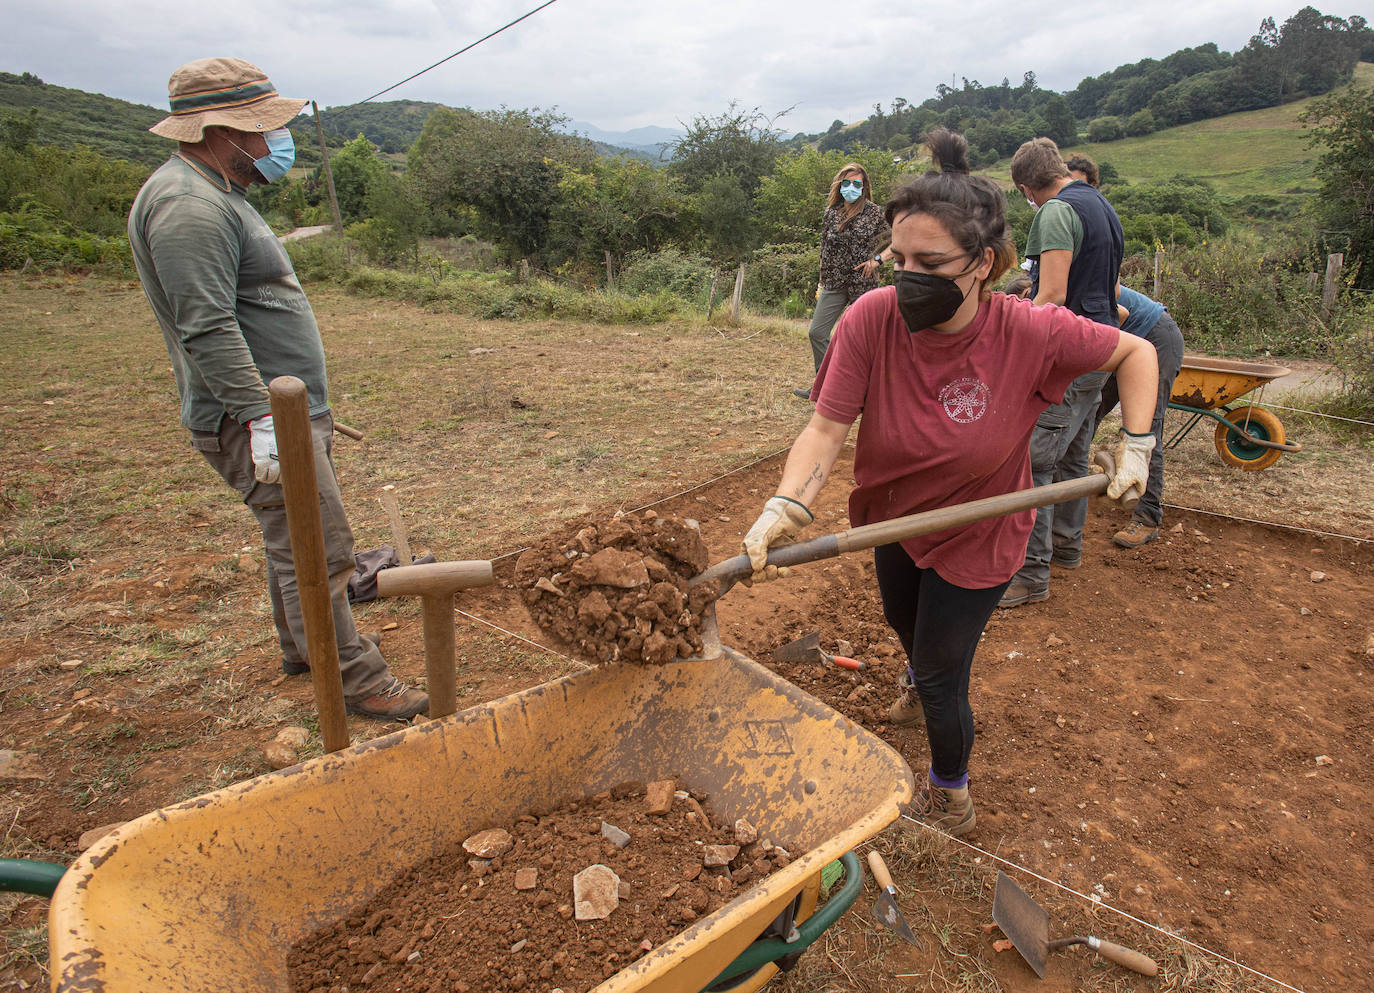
[[617, 592], [504, 911]]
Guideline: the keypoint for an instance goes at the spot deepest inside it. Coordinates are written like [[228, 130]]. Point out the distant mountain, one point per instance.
[[649, 141]]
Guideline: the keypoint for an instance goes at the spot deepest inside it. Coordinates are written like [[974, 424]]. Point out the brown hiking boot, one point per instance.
[[906, 709], [1135, 534], [944, 809], [395, 702], [1019, 593]]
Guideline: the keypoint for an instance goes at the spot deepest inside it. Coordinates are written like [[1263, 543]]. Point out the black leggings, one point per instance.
[[939, 625]]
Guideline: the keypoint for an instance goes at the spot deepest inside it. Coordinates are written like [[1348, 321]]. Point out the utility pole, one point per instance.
[[328, 175]]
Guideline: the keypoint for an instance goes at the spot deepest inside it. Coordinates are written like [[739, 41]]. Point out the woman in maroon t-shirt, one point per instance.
[[949, 378]]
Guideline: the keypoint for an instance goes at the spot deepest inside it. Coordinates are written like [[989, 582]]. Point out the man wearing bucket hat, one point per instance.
[[234, 317]]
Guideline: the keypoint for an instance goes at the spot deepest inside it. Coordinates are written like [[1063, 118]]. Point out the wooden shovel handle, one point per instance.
[[927, 522], [1124, 956], [879, 869]]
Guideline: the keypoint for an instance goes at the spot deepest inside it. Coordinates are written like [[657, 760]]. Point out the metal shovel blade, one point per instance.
[[1022, 920], [885, 911]]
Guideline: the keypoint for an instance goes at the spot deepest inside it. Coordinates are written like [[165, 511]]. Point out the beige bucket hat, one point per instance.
[[228, 92]]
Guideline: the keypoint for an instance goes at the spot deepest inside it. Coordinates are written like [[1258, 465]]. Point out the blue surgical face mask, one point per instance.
[[281, 155], [851, 189]]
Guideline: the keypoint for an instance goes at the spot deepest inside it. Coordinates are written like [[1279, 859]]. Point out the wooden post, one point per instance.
[[523, 273], [398, 529], [1334, 262], [739, 292], [328, 173], [296, 448], [711, 300], [610, 273], [1159, 255]]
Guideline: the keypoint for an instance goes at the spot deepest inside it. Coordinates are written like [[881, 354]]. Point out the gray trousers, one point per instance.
[[363, 669], [1168, 342], [1060, 449], [830, 304]]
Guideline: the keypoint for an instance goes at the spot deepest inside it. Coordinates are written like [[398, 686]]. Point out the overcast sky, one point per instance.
[[617, 64]]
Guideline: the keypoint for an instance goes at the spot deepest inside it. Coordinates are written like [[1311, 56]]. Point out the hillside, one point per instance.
[[115, 128], [1262, 152]]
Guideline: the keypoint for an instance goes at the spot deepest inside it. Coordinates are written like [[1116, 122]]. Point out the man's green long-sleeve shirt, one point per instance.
[[231, 310]]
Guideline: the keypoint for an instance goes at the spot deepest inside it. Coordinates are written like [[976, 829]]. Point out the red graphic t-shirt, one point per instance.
[[947, 418]]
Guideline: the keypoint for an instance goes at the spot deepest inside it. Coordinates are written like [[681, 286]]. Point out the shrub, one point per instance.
[[776, 274], [668, 270], [29, 238]]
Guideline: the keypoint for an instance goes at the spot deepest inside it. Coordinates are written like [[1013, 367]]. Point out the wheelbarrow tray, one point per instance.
[[211, 893], [1205, 383]]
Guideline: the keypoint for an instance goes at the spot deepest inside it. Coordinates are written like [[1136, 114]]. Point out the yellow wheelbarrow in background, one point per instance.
[[1246, 437]]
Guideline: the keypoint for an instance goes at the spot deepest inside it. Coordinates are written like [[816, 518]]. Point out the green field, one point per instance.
[[1256, 152]]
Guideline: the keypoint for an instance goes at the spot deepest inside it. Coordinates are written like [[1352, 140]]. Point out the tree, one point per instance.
[[1105, 129], [792, 197], [357, 171], [1061, 127], [1344, 125], [614, 205], [740, 144], [499, 168], [1142, 122]]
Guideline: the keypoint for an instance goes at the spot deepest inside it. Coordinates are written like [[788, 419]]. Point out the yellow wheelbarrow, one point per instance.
[[212, 893], [1246, 437]]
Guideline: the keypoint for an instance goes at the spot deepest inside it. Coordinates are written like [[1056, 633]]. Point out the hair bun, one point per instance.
[[948, 150]]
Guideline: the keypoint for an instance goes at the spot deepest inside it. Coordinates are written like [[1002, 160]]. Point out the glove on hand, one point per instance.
[[262, 438], [782, 519], [1132, 455]]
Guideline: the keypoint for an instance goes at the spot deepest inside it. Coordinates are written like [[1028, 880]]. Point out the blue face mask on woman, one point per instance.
[[851, 189], [281, 155]]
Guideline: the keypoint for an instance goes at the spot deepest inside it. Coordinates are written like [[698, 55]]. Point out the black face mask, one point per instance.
[[926, 299]]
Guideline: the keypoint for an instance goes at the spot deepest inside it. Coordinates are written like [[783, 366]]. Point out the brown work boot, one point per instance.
[[395, 702], [946, 810], [1135, 534], [1019, 593], [906, 709]]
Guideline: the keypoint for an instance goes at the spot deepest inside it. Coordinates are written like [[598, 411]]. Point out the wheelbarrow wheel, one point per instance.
[[1238, 451]]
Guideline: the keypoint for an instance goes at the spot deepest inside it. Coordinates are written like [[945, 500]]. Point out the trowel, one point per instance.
[[808, 648], [885, 910], [732, 570], [1027, 924]]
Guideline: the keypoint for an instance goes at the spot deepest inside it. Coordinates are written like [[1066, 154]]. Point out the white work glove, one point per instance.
[[1132, 455], [262, 438], [782, 520]]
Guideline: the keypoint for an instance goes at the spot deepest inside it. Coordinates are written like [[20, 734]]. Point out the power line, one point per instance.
[[547, 3]]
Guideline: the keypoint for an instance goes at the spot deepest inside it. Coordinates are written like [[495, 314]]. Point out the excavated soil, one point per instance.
[[458, 923], [618, 591]]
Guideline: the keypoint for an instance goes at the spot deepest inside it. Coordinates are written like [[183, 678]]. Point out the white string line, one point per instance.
[[1100, 903], [674, 496], [519, 637], [1313, 413], [1270, 524]]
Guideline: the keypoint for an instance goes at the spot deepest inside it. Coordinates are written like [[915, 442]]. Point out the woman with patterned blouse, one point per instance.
[[853, 239]]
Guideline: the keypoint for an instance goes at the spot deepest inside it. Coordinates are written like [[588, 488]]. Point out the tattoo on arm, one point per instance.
[[817, 476]]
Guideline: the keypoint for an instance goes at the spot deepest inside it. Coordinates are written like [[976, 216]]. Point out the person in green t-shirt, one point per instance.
[[234, 317]]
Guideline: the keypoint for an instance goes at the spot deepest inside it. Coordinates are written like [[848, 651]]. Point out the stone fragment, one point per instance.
[[489, 844], [71, 664], [596, 893], [713, 856], [658, 797], [479, 867], [1325, 760], [545, 584], [745, 833], [279, 755], [89, 838], [612, 567], [844, 648], [614, 835], [294, 737], [519, 945], [526, 879], [1317, 577], [1053, 641], [19, 765]]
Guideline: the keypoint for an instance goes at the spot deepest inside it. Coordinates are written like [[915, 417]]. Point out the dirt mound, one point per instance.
[[521, 920], [618, 591]]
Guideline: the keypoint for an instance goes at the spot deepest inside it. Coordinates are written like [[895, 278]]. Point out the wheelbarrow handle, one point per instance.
[[900, 528]]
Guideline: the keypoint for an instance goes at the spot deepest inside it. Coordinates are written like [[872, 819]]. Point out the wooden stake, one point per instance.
[[1158, 256], [739, 293], [711, 300], [1334, 262], [398, 529], [300, 487], [328, 173]]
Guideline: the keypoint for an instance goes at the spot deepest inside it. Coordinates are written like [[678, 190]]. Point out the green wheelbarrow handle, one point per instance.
[[767, 950], [30, 876]]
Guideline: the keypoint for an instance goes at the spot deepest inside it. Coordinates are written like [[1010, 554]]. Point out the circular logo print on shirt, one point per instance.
[[965, 400]]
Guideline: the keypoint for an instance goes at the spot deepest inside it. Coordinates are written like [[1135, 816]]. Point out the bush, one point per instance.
[[776, 274], [669, 270], [29, 238], [1105, 129]]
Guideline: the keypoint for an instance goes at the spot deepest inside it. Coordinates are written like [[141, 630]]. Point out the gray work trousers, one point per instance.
[[1168, 342], [1060, 448], [830, 304], [361, 665]]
